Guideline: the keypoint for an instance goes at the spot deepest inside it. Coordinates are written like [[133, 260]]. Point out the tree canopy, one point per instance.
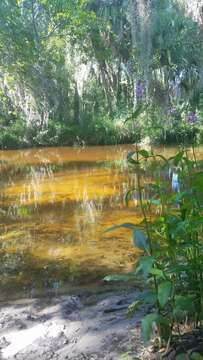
[[74, 69]]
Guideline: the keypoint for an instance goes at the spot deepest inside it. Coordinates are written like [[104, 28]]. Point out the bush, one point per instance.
[[13, 136], [171, 241], [101, 131]]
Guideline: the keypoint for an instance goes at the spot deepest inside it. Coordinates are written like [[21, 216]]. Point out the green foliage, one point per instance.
[[133, 308], [18, 134], [172, 262], [172, 29], [13, 136], [140, 240], [145, 265], [69, 70], [157, 319], [164, 291]]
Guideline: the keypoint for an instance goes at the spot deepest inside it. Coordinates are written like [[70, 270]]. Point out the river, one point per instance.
[[56, 204]]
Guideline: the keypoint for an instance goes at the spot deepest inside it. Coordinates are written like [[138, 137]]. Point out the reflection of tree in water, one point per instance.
[[86, 217], [36, 177], [50, 239]]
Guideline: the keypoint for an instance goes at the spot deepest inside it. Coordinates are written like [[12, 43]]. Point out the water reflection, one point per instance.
[[55, 205]]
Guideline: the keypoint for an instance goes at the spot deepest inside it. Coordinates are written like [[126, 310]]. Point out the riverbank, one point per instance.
[[84, 325], [89, 324]]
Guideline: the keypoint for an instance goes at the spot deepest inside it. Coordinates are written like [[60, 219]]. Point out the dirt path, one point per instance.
[[85, 326]]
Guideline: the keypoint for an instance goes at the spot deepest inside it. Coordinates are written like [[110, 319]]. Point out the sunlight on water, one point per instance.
[[55, 204]]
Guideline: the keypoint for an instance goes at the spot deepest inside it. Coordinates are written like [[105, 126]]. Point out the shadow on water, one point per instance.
[[25, 274]]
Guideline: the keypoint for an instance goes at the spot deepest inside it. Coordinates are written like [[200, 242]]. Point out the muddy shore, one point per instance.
[[86, 325]]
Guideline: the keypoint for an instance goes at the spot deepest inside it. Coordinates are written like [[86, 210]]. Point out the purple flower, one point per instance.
[[192, 117], [140, 90]]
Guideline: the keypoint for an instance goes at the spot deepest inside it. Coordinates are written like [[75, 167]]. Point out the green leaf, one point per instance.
[[198, 182], [164, 292], [147, 325], [156, 202], [180, 196], [131, 160], [157, 272], [130, 226], [140, 240], [148, 297], [144, 153], [133, 308], [184, 305], [128, 195], [177, 158], [145, 265]]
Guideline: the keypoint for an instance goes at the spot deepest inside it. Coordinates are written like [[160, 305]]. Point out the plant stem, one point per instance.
[[139, 186]]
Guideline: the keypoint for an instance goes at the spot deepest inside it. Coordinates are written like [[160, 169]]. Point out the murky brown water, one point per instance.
[[55, 205]]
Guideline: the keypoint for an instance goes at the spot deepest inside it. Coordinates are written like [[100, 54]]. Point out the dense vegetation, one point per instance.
[[170, 238], [74, 71], [77, 72]]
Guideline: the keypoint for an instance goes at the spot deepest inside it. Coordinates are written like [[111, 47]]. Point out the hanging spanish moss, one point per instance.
[[64, 76]]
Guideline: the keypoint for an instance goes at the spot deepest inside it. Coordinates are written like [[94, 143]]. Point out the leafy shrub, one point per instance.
[[171, 239], [13, 136], [101, 131]]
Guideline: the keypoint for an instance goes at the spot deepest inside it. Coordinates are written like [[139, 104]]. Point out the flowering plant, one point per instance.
[[192, 118]]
